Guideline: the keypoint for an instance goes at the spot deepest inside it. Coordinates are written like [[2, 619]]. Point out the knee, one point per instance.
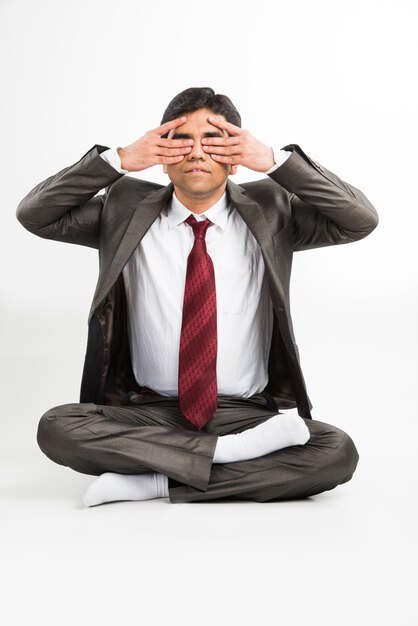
[[345, 458], [49, 435], [56, 428]]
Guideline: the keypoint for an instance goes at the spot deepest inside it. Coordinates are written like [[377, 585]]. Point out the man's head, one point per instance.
[[195, 98], [197, 103]]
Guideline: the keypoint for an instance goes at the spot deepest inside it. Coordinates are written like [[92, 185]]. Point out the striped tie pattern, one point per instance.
[[197, 385]]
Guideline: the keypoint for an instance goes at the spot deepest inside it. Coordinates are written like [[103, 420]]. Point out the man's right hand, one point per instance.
[[152, 149]]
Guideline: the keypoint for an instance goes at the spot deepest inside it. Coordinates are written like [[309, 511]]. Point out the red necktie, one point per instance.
[[198, 389]]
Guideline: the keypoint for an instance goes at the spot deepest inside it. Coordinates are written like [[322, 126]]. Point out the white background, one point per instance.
[[339, 80]]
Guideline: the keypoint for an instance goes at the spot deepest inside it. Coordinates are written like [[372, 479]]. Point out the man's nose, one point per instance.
[[197, 151]]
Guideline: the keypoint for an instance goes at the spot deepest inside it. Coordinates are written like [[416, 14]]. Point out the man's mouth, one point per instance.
[[197, 170]]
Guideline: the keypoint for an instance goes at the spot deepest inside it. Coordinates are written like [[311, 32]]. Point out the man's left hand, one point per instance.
[[240, 148]]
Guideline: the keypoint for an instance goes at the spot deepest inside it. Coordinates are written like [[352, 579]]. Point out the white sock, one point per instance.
[[280, 431], [110, 487]]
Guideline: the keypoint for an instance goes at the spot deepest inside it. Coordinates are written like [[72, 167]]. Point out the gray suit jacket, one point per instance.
[[300, 206]]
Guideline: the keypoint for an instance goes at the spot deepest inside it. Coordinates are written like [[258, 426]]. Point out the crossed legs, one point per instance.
[[152, 436]]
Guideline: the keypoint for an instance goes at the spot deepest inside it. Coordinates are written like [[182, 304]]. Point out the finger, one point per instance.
[[174, 143], [222, 150], [221, 141], [231, 160], [164, 128], [170, 160], [221, 123], [173, 151]]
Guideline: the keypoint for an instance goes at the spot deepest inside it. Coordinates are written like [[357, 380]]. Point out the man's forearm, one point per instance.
[[64, 203], [326, 210], [112, 157]]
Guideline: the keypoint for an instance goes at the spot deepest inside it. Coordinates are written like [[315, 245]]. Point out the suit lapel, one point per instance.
[[253, 215], [144, 215]]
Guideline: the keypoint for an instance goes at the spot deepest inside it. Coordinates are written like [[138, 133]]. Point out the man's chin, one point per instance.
[[198, 191]]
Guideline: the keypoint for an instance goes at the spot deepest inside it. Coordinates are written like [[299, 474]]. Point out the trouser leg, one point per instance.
[[150, 436], [153, 435], [328, 459]]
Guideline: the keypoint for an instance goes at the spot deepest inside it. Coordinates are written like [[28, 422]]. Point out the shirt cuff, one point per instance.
[[280, 156], [112, 157]]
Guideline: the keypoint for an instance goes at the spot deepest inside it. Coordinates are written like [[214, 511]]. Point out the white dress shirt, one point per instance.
[[154, 280]]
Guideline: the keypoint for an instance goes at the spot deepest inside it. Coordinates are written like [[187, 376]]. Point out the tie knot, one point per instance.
[[199, 228]]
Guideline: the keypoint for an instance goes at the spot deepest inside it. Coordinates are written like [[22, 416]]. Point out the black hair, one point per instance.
[[196, 98]]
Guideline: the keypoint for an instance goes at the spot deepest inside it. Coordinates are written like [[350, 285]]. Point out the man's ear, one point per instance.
[[233, 170]]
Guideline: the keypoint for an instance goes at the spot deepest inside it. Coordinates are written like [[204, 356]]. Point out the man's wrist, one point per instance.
[[280, 156], [122, 154], [113, 157]]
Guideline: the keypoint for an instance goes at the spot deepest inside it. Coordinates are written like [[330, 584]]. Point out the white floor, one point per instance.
[[347, 556]]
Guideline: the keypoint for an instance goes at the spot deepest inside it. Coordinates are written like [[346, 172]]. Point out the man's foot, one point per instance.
[[279, 431], [110, 487]]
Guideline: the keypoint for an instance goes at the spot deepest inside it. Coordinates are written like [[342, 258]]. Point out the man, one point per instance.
[[192, 362]]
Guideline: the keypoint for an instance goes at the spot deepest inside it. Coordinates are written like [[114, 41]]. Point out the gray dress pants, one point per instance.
[[151, 435]]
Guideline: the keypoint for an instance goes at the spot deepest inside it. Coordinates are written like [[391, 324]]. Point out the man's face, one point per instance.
[[211, 177]]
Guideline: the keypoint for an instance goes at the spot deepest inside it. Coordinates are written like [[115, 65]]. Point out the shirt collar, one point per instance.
[[218, 213]]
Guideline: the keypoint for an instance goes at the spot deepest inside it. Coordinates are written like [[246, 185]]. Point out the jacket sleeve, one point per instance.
[[326, 210], [65, 207]]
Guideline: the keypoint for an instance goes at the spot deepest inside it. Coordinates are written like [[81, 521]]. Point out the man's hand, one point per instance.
[[151, 149], [240, 148]]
